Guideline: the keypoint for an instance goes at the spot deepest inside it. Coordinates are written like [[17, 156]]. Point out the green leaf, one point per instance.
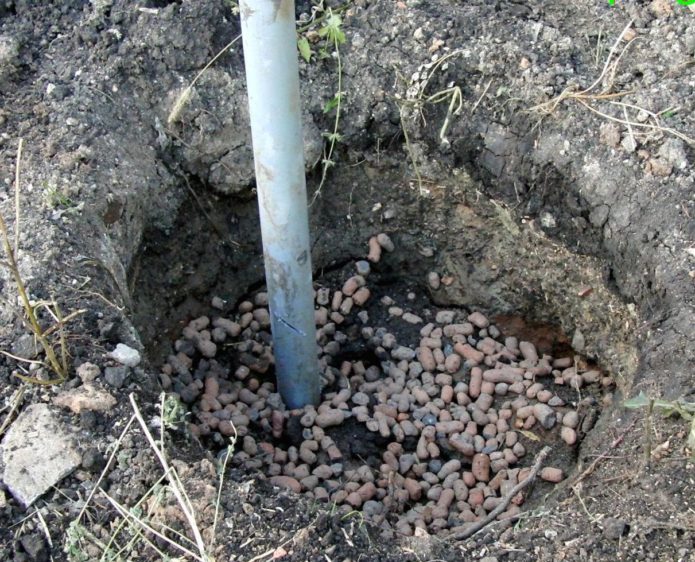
[[332, 30], [304, 48], [332, 103], [333, 137], [639, 401]]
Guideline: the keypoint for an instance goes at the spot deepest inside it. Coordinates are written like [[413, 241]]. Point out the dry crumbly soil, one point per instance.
[[548, 202]]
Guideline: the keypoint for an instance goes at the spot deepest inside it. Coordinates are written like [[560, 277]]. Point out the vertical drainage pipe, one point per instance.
[[272, 77]]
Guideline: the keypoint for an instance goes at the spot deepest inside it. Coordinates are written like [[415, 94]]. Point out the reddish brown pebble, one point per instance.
[[352, 284], [286, 482], [476, 497], [469, 353], [568, 435], [479, 320], [476, 382], [452, 363], [426, 359], [551, 474], [330, 418], [413, 487], [528, 350], [374, 250], [480, 467], [354, 499], [361, 296]]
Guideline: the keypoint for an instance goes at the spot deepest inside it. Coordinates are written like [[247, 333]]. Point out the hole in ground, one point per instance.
[[431, 414]]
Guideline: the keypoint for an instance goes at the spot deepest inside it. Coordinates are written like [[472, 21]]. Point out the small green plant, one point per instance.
[[685, 410], [325, 26], [55, 198], [57, 362]]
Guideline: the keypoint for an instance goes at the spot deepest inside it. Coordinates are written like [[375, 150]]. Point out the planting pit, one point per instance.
[[445, 361]]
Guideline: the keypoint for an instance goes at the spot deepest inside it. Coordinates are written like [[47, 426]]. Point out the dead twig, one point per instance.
[[478, 525]]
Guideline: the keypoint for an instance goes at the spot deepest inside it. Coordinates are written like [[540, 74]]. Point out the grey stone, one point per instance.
[[34, 544], [25, 347], [615, 528], [403, 353], [37, 453], [545, 415], [126, 355], [362, 267], [116, 376]]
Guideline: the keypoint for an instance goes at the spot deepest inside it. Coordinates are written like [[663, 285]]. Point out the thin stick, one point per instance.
[[477, 526], [186, 94], [477, 103], [15, 402], [185, 506], [603, 455], [16, 196], [105, 471], [130, 517]]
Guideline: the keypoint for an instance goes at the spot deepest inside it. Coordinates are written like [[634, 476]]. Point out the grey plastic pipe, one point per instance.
[[272, 76]]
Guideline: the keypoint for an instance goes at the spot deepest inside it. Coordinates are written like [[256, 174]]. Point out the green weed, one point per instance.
[[325, 27], [685, 410]]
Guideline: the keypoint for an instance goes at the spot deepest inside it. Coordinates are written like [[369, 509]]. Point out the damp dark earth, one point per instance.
[[501, 202]]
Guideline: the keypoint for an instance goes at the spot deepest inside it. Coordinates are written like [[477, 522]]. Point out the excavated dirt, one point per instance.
[[563, 216]]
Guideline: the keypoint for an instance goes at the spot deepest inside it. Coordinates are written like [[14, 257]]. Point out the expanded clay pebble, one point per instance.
[[452, 406]]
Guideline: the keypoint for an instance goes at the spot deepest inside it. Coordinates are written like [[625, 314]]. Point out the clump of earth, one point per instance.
[[428, 416]]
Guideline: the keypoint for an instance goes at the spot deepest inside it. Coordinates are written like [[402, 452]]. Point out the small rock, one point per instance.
[[568, 435], [374, 254], [361, 296], [445, 317], [413, 488], [480, 467], [571, 419], [411, 318], [614, 528], [402, 353], [545, 415], [330, 418], [362, 267], [528, 350], [86, 397], [385, 242], [88, 372], [479, 320], [125, 355], [286, 482], [37, 452], [116, 376], [433, 280], [551, 474], [25, 346]]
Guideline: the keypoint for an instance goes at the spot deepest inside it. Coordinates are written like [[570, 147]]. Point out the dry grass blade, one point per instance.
[[15, 402], [587, 95], [59, 366], [131, 518], [183, 98], [184, 503]]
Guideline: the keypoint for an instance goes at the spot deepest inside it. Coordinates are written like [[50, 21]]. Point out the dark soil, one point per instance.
[[533, 210]]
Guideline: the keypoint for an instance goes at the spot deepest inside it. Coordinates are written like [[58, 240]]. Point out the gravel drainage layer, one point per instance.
[[430, 418]]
